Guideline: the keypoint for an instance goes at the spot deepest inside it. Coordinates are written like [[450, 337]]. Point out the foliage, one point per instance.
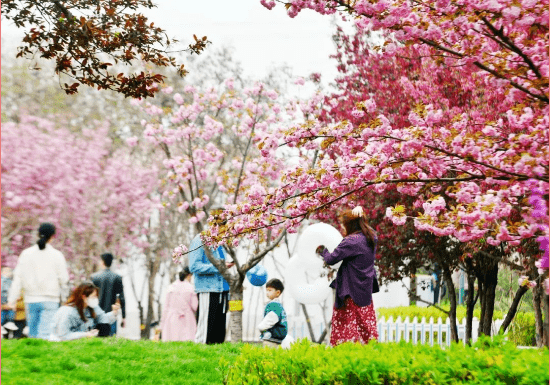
[[427, 312], [110, 360], [85, 37], [522, 330], [485, 363]]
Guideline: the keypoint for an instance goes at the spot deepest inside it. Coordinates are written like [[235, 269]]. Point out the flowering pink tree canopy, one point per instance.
[[468, 162], [95, 195], [209, 140]]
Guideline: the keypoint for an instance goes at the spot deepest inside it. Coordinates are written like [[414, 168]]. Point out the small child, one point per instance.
[[273, 327]]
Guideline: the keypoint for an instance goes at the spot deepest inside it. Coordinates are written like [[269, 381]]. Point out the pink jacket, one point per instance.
[[178, 321]]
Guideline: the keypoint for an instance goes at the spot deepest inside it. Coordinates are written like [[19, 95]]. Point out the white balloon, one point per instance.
[[303, 281], [316, 235], [303, 271]]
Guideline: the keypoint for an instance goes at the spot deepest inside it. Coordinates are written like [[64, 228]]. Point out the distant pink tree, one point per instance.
[[94, 193]]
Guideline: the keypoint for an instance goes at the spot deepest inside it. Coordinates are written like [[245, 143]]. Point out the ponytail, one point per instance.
[[45, 232], [41, 243]]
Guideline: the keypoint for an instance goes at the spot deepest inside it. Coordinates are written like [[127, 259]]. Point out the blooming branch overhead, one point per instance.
[[209, 138]]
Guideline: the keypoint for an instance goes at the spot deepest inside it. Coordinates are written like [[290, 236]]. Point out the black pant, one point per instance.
[[213, 323]]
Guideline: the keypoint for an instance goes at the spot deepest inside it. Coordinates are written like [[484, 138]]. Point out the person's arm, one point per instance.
[[345, 249], [196, 265], [62, 327], [269, 321], [104, 318], [194, 301], [165, 310], [119, 289], [63, 276], [15, 288]]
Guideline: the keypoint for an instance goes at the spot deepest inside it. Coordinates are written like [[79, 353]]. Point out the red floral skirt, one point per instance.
[[353, 323]]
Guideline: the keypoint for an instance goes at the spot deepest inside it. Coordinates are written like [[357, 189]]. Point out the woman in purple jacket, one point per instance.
[[353, 317]]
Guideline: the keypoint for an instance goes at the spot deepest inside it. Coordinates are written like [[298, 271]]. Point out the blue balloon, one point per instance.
[[257, 276]]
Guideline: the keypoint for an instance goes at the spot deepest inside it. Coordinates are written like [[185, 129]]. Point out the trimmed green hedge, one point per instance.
[[419, 312], [487, 362], [521, 331]]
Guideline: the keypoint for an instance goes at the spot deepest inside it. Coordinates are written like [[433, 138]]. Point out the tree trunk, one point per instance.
[[153, 270], [490, 280], [470, 300], [146, 328], [412, 295], [546, 337], [141, 324], [308, 322], [236, 316], [513, 308], [539, 325], [452, 298], [324, 333]]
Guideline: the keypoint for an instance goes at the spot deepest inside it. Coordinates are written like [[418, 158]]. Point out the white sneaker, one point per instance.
[[26, 330]]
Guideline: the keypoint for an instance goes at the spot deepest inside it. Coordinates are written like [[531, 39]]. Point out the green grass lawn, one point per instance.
[[120, 361], [112, 361]]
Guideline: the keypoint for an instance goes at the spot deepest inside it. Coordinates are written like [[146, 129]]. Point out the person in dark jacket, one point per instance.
[[110, 289], [353, 317]]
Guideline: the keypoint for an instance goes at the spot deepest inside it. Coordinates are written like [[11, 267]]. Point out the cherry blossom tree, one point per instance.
[[73, 180], [470, 161], [403, 250], [208, 138], [499, 53]]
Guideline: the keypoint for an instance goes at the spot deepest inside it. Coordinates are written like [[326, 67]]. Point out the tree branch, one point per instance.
[[253, 261], [418, 299]]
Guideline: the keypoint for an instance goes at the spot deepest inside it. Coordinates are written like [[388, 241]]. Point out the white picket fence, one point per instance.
[[427, 332], [415, 331]]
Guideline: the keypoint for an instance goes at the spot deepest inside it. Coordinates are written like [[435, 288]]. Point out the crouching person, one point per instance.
[[274, 326], [81, 315]]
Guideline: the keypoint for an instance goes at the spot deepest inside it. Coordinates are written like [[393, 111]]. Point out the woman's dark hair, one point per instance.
[[353, 224], [86, 289], [275, 284], [184, 273], [45, 232]]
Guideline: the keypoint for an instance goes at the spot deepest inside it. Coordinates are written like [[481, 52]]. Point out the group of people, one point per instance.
[[41, 281], [353, 319], [199, 312], [192, 312]]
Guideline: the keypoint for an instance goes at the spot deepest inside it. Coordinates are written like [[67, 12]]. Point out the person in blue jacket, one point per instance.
[[213, 292]]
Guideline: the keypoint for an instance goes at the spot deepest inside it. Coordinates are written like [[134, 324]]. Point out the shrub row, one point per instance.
[[521, 331], [486, 362], [419, 312]]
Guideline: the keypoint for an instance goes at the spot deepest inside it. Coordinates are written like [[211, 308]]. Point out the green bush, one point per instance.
[[487, 362], [522, 330], [419, 312]]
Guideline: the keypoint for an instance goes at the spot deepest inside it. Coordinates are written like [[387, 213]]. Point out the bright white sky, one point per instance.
[[261, 38]]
